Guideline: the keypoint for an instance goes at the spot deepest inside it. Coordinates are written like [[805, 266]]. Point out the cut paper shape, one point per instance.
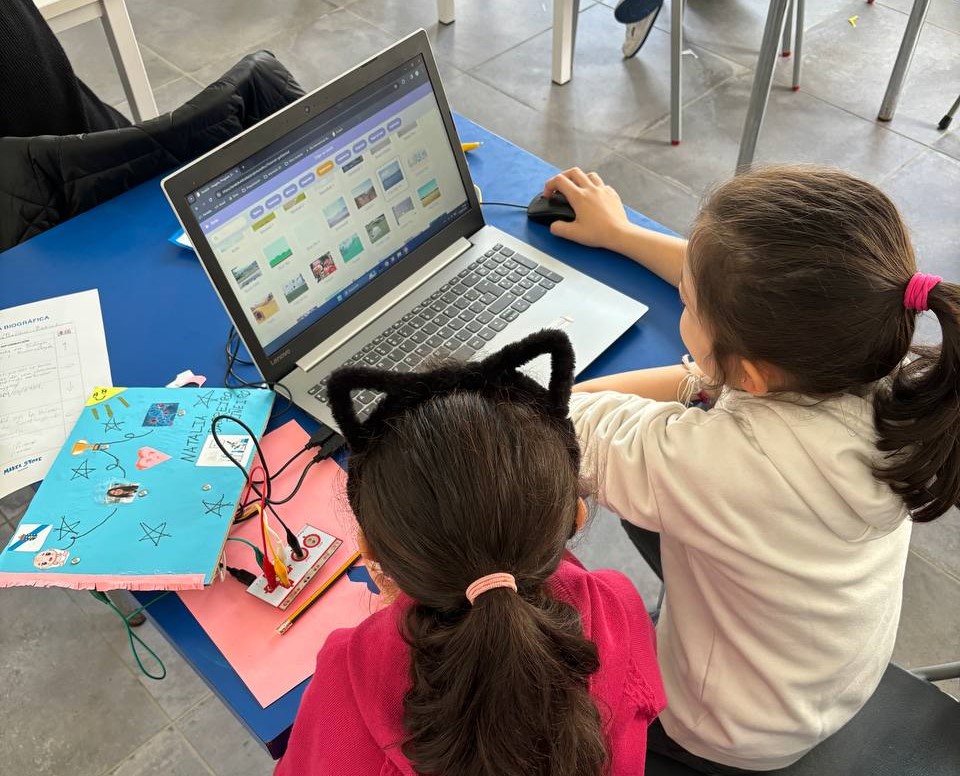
[[101, 394], [148, 457], [238, 445], [162, 413], [188, 378], [50, 559], [360, 573], [29, 537]]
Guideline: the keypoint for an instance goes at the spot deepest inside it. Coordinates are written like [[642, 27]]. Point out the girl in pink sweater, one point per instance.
[[500, 653]]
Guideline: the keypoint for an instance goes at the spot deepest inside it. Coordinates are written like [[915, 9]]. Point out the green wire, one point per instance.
[[131, 636], [256, 550]]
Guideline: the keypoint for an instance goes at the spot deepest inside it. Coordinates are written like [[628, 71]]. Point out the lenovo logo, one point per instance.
[[278, 358]]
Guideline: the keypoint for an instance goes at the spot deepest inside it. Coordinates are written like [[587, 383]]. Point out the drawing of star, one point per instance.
[[66, 529], [154, 534], [83, 470], [214, 507], [204, 399], [112, 425]]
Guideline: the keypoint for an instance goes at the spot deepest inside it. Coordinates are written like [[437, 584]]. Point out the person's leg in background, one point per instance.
[[39, 92], [638, 16]]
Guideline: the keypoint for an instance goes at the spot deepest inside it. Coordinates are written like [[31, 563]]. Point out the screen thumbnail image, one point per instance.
[[336, 212], [403, 210], [295, 288], [278, 251], [378, 228], [417, 159], [246, 275], [351, 247], [364, 194], [265, 309], [323, 267], [390, 175], [429, 192]]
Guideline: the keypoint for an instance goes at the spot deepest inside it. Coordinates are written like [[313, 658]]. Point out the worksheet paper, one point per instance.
[[52, 355]]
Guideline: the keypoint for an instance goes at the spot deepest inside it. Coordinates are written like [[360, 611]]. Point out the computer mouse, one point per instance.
[[546, 210]]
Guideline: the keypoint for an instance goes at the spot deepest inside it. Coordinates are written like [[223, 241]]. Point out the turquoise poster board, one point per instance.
[[140, 497]]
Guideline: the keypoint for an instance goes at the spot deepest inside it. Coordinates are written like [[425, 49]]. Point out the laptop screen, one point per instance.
[[310, 219]]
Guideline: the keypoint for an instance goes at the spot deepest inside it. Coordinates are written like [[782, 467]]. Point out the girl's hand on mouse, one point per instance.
[[600, 216]]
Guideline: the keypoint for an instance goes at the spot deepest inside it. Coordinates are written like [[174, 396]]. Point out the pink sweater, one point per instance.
[[350, 719]]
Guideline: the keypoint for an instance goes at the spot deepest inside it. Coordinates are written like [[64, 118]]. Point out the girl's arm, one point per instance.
[[601, 222], [661, 383]]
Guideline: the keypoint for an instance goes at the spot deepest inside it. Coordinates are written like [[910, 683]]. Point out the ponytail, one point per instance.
[[501, 688], [917, 415]]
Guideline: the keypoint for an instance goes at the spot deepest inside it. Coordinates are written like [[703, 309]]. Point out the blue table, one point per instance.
[[162, 316]]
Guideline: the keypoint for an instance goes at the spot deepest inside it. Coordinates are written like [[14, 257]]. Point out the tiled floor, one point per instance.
[[74, 702]]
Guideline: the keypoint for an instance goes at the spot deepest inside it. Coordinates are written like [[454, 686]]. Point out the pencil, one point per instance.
[[284, 626], [470, 146]]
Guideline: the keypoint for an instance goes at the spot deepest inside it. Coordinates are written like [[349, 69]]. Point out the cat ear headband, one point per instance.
[[497, 375]]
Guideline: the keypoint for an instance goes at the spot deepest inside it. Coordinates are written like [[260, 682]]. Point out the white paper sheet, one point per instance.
[[53, 353]]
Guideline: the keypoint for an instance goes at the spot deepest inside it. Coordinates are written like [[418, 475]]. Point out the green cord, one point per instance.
[[256, 550], [131, 636]]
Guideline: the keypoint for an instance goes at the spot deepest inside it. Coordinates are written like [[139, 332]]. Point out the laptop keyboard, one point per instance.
[[458, 320]]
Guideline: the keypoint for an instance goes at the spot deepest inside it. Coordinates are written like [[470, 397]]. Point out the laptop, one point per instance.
[[345, 229]]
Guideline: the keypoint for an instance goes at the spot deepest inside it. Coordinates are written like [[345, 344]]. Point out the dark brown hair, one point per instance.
[[805, 268], [455, 486]]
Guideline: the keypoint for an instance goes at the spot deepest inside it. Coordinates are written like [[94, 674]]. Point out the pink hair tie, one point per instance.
[[489, 582], [915, 297]]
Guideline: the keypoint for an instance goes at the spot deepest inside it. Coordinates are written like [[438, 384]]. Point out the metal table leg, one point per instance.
[[676, 68], [772, 31], [907, 46]]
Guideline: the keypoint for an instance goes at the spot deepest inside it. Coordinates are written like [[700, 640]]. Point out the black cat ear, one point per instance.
[[551, 342], [343, 382]]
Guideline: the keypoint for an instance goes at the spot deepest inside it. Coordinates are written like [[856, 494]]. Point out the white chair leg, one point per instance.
[[445, 11], [676, 69], [798, 47], [907, 46], [565, 14], [785, 47], [126, 55], [762, 79]]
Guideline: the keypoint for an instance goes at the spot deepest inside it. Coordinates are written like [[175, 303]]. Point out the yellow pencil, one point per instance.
[[284, 626], [469, 146]]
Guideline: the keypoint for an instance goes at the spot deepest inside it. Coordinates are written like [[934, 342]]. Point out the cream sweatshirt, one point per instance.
[[783, 559]]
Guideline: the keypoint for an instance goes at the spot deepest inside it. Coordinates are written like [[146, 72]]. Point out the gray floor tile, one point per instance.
[[191, 34], [90, 56], [943, 13], [939, 542], [180, 690], [314, 52], [664, 202], [604, 545], [166, 754], [849, 67], [223, 742], [482, 29], [14, 505], [949, 142], [734, 28], [560, 144], [606, 94], [713, 124], [930, 620], [93, 712]]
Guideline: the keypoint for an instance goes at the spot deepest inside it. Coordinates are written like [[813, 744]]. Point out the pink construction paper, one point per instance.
[[243, 627], [104, 581]]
